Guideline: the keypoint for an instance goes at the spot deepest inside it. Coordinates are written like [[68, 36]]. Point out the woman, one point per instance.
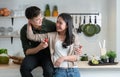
[[61, 44]]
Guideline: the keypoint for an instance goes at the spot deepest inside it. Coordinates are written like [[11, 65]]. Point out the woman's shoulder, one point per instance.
[[52, 33]]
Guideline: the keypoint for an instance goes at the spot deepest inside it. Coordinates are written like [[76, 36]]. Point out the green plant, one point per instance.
[[84, 57], [111, 54], [103, 57], [3, 50]]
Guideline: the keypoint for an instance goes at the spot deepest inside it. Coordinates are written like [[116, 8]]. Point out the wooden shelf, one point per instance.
[[8, 36], [12, 16]]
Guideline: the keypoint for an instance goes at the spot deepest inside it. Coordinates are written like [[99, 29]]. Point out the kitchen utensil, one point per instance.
[[98, 28], [2, 30], [102, 48], [12, 20], [10, 29], [79, 28], [82, 26], [89, 29], [76, 22]]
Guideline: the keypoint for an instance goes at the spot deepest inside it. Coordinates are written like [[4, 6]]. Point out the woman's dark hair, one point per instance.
[[69, 34], [32, 12]]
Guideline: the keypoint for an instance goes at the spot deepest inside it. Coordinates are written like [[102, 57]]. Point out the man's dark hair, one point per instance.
[[32, 12]]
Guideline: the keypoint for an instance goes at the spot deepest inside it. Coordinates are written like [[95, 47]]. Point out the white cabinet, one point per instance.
[[13, 70]]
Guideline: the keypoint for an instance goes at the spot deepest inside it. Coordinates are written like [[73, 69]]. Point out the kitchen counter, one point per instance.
[[84, 64], [81, 64], [98, 71], [85, 70], [9, 66]]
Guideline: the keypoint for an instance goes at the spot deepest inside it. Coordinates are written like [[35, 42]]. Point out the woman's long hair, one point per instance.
[[69, 34]]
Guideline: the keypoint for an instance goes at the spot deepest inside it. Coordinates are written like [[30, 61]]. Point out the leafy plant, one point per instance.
[[2, 50], [111, 54], [103, 57], [84, 57]]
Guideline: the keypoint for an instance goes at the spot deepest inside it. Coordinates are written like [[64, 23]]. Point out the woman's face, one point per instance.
[[36, 21], [60, 25]]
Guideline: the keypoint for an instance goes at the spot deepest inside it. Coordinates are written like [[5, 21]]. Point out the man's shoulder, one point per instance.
[[46, 21], [49, 25], [24, 27]]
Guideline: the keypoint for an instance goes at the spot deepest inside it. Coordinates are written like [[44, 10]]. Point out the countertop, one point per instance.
[[81, 64], [84, 64], [9, 66]]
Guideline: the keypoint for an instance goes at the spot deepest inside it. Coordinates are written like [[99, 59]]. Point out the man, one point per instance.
[[35, 55]]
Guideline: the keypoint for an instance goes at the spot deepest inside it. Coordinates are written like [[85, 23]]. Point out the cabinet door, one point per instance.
[[10, 73]]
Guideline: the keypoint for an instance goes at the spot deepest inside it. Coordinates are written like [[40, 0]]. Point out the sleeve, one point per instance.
[[77, 40], [77, 44], [24, 41], [35, 37]]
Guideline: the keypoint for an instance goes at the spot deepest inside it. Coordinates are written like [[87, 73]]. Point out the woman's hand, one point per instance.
[[78, 50], [29, 26], [59, 61]]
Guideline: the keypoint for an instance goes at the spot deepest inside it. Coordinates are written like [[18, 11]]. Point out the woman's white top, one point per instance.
[[59, 52]]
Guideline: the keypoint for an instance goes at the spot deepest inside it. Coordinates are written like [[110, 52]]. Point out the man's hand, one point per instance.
[[43, 45], [46, 40]]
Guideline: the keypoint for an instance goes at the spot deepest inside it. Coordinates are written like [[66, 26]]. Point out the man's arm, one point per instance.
[[27, 48], [36, 49]]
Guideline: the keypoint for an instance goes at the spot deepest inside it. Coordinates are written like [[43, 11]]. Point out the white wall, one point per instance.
[[118, 29], [111, 33], [90, 44]]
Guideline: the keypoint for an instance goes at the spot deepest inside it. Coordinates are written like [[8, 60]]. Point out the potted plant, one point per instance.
[[84, 57], [103, 58], [111, 56]]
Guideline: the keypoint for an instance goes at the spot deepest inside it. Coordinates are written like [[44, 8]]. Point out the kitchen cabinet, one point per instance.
[[13, 70]]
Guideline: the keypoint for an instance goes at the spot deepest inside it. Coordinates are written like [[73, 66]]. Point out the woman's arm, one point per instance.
[[71, 58], [34, 37]]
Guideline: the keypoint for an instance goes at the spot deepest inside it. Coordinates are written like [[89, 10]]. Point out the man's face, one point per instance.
[[36, 21]]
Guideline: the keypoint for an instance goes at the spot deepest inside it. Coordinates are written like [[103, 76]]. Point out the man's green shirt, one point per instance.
[[47, 26]]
